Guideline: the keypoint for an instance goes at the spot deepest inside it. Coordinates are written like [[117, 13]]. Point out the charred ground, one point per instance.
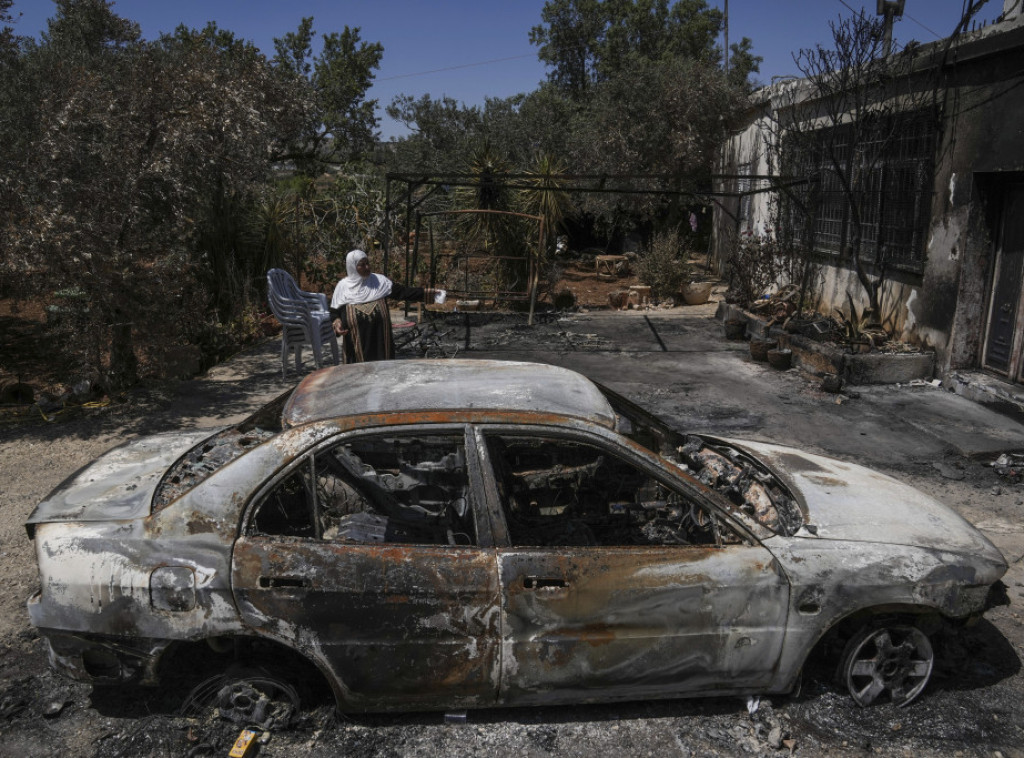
[[973, 707]]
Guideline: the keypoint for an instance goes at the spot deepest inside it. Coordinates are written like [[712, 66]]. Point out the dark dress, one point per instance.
[[369, 335]]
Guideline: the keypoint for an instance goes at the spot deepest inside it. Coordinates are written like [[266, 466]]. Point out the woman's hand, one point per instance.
[[339, 330]]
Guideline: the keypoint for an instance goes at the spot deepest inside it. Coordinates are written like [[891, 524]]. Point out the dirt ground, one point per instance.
[[974, 706]]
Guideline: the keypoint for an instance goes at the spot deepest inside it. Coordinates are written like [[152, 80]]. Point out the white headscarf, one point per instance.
[[354, 289]]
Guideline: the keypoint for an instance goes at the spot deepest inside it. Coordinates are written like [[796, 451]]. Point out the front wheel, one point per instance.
[[892, 659]]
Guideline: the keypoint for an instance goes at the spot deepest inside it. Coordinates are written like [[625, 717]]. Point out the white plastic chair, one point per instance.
[[305, 319]]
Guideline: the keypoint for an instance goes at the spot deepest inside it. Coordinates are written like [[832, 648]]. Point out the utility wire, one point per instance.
[[453, 68], [930, 31]]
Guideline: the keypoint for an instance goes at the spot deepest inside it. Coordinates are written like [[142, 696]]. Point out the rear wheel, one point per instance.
[[891, 660], [247, 695]]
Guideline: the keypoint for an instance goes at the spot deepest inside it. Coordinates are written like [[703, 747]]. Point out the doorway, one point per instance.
[[1004, 336]]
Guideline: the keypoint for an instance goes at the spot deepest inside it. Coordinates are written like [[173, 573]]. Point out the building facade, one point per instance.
[[941, 220]]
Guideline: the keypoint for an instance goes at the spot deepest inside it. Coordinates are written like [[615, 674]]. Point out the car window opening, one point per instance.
[[217, 451], [754, 490], [376, 490], [557, 492]]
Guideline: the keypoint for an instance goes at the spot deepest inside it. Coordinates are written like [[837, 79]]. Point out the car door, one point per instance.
[[618, 583], [370, 556]]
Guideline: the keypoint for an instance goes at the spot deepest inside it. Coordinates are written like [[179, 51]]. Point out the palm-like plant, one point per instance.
[[546, 197], [489, 193]]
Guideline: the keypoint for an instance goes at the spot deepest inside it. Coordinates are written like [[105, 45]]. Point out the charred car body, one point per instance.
[[451, 534]]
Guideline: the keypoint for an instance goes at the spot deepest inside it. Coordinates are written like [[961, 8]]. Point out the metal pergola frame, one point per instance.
[[623, 184]]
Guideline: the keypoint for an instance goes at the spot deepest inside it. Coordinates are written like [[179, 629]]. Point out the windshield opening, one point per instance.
[[747, 484]]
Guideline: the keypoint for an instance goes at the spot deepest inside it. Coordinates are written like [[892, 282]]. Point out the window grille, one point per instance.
[[892, 172]]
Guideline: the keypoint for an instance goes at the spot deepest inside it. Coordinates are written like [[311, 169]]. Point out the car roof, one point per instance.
[[438, 385]]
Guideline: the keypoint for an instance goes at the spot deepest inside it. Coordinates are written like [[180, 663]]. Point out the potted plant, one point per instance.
[[855, 327], [696, 292]]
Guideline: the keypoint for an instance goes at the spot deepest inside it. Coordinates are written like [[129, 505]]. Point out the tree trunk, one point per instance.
[[124, 366]]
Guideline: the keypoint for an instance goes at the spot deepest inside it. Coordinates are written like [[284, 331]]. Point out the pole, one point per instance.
[[727, 37]]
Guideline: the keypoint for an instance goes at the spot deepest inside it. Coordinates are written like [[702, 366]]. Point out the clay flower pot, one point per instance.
[[831, 383], [697, 293], [782, 359], [735, 329], [759, 349]]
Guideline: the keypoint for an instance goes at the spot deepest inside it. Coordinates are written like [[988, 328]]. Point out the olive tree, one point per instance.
[[128, 141]]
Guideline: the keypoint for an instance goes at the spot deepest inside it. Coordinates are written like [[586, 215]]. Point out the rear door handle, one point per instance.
[[278, 582], [540, 582]]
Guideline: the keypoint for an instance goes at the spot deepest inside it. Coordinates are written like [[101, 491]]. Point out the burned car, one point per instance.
[[453, 534]]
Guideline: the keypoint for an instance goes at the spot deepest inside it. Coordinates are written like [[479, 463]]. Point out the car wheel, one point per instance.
[[247, 696], [893, 660]]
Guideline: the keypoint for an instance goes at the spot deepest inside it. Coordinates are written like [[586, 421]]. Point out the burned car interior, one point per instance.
[[741, 479], [414, 490], [408, 489], [564, 492]]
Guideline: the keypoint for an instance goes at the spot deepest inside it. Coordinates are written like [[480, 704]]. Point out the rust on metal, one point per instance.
[[519, 539]]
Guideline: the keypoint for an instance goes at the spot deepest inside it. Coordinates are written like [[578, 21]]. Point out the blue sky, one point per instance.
[[483, 46]]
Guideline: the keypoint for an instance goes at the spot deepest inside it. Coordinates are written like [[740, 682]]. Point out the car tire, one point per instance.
[[247, 695], [893, 660]]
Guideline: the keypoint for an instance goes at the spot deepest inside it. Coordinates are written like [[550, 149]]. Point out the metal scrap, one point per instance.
[[749, 486]]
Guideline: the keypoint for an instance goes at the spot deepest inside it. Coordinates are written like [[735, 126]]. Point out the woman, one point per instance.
[[359, 308]]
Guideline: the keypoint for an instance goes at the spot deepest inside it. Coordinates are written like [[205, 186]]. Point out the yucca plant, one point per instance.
[[546, 197], [499, 234]]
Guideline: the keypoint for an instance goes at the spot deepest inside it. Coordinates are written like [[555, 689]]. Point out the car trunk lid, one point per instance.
[[119, 484]]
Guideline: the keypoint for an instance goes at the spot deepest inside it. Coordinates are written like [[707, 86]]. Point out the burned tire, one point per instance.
[[891, 661], [248, 696]]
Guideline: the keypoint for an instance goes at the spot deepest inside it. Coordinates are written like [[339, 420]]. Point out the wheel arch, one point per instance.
[[830, 640], [210, 654]]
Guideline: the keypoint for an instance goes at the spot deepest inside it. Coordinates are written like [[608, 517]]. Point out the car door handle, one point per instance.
[[540, 582], [278, 582]]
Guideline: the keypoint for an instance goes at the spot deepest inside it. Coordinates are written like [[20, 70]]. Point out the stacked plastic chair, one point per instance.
[[304, 317]]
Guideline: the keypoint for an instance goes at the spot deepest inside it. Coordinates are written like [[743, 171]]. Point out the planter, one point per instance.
[[831, 383], [735, 329], [759, 349], [780, 358], [697, 293], [820, 358]]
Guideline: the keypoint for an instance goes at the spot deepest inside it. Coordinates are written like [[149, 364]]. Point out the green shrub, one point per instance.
[[664, 268]]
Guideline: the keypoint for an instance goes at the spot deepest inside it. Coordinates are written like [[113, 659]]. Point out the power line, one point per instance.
[[453, 68], [930, 31]]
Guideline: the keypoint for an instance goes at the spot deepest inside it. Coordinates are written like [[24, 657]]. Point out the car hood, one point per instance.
[[845, 501], [119, 484]]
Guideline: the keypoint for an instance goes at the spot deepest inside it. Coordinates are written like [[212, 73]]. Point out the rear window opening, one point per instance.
[[214, 452]]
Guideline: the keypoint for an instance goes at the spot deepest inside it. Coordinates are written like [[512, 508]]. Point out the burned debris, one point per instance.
[[220, 449], [748, 485]]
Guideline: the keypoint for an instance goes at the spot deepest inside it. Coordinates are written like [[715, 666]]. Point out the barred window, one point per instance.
[[892, 174]]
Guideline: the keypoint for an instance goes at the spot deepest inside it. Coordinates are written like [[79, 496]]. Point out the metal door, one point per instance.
[[601, 598], [627, 623], [403, 611], [1005, 335]]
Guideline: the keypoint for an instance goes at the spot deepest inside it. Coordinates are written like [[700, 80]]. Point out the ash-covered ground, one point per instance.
[[672, 362]]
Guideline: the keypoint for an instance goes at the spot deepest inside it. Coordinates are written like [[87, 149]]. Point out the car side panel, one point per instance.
[[625, 623], [400, 626], [832, 580]]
